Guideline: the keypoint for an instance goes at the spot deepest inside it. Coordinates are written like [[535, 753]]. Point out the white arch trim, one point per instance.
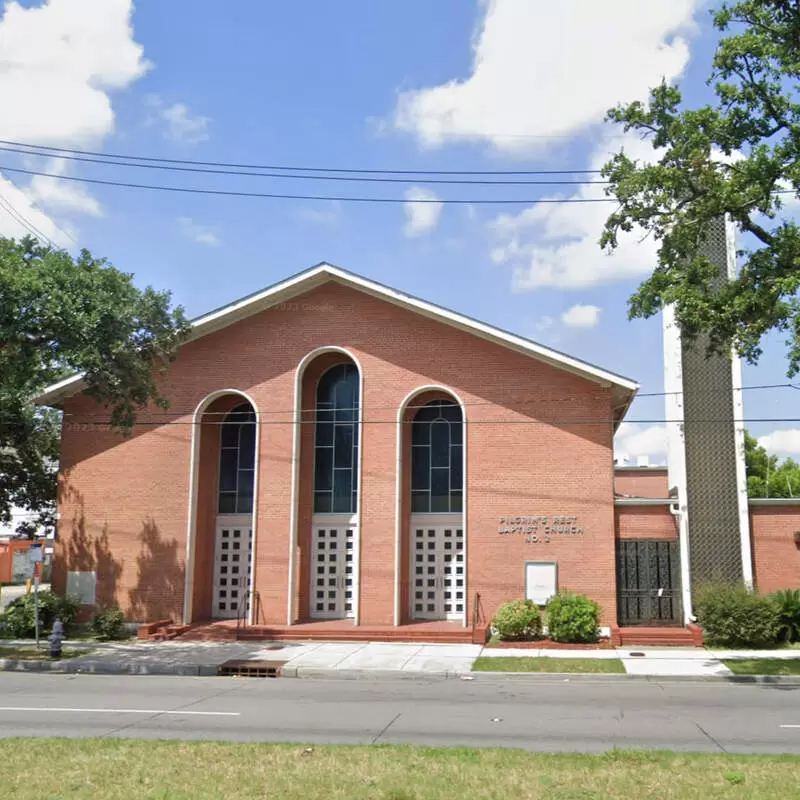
[[295, 495], [398, 515], [194, 476]]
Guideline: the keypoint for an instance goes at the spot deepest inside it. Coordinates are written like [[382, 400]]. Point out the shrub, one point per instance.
[[20, 616], [787, 603], [518, 619], [573, 618], [733, 616], [109, 623]]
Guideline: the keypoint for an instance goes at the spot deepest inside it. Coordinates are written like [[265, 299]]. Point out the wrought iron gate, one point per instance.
[[648, 582]]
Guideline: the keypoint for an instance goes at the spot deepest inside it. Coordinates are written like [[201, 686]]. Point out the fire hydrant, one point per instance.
[[56, 638]]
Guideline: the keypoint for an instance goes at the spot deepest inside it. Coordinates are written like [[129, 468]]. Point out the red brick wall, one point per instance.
[[645, 522], [776, 557], [539, 443], [646, 482]]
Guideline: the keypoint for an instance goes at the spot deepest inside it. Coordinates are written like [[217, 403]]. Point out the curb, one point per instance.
[[320, 673], [93, 668], [791, 680]]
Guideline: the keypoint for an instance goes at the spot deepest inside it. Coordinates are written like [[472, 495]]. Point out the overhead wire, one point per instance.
[[284, 196], [21, 220], [344, 170], [414, 406], [322, 177], [468, 422]]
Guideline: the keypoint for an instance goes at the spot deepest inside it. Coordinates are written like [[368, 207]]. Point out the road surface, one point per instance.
[[545, 715]]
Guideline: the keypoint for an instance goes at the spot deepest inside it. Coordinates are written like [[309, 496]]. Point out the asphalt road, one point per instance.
[[545, 715]]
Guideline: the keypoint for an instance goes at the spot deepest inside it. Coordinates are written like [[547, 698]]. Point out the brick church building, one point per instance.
[[341, 459]]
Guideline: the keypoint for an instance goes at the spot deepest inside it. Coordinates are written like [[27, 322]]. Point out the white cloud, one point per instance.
[[20, 217], [178, 122], [581, 316], [199, 234], [544, 324], [556, 245], [60, 62], [784, 443], [633, 440], [551, 69], [330, 214], [422, 211], [57, 195]]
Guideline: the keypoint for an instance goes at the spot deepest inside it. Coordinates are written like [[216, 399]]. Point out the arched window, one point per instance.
[[237, 453], [336, 442], [437, 475]]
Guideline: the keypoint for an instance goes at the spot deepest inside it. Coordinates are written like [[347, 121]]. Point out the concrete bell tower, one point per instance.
[[705, 445]]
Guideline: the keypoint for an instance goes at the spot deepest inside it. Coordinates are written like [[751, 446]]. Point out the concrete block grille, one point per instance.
[[710, 437]]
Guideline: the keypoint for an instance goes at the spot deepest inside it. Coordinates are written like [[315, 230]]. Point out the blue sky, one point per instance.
[[417, 85]]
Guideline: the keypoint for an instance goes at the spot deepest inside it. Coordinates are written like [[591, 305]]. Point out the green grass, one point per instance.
[[30, 653], [763, 666], [121, 769], [782, 646], [547, 664]]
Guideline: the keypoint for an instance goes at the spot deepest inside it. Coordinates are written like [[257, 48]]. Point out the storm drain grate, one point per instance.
[[250, 669]]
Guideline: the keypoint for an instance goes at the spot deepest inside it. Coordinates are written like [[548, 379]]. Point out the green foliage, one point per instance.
[[109, 623], [61, 315], [19, 618], [517, 619], [740, 156], [733, 616], [572, 618], [767, 478], [787, 602]]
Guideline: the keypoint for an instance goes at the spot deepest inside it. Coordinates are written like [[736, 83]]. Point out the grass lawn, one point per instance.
[[120, 769], [547, 664], [763, 666], [30, 653]]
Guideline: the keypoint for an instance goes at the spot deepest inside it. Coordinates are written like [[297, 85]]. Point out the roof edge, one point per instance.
[[317, 275]]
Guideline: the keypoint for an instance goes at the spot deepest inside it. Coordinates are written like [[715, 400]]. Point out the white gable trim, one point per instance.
[[316, 276]]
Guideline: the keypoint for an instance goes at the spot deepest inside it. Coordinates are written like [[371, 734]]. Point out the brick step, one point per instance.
[[208, 634], [670, 637], [257, 633]]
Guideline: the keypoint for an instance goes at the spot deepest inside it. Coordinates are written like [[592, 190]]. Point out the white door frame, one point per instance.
[[401, 523], [194, 479], [294, 513]]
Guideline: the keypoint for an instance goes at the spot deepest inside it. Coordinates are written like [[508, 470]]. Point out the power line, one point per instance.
[[18, 217], [283, 167], [324, 177], [277, 196], [413, 406], [469, 423]]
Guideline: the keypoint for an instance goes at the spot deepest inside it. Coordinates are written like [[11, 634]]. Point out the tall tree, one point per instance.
[[738, 155], [765, 476], [60, 315]]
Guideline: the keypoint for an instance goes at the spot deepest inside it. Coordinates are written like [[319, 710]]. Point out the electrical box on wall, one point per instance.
[[541, 581]]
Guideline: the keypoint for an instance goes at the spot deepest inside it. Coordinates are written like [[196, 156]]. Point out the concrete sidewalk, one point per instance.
[[374, 660], [301, 660]]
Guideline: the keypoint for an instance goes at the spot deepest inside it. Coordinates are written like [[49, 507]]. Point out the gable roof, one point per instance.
[[623, 389]]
